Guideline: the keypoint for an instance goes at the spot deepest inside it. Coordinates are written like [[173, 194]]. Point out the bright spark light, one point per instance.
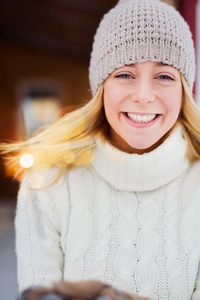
[[35, 180], [26, 160]]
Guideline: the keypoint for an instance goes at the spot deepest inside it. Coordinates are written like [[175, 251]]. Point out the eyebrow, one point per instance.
[[159, 64], [163, 64]]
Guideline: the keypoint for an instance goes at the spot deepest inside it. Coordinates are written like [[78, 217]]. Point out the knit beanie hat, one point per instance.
[[139, 31]]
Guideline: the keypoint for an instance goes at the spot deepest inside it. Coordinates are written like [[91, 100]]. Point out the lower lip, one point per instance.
[[141, 125]]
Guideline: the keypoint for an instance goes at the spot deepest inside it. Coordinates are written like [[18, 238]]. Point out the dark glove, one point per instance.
[[39, 293]]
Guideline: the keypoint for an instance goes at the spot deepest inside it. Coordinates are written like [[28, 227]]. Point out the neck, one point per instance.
[[122, 145], [133, 172]]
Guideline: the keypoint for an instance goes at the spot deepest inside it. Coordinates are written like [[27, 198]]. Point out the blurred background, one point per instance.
[[44, 57]]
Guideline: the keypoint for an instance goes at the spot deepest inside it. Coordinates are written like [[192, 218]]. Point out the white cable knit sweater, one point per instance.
[[130, 220]]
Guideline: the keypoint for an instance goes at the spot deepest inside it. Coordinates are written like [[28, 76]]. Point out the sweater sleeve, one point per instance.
[[41, 216], [195, 180]]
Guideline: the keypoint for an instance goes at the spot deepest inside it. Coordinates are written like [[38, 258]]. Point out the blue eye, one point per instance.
[[124, 76], [165, 77]]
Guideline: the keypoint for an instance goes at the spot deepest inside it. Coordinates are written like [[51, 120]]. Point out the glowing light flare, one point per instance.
[[86, 157], [14, 170], [35, 180], [69, 157], [26, 160]]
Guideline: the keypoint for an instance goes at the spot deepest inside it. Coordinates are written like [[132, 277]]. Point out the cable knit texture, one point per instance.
[[138, 31], [129, 220]]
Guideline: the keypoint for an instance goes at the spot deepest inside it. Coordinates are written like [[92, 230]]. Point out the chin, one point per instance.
[[142, 147]]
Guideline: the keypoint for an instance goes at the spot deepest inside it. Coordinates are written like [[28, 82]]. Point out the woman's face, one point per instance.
[[142, 103]]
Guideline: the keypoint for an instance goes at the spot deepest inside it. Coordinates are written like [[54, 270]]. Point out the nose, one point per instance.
[[143, 92]]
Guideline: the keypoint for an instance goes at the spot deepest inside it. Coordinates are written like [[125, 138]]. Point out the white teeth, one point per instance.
[[141, 118]]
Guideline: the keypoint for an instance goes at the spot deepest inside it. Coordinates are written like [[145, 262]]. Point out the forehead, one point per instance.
[[149, 65]]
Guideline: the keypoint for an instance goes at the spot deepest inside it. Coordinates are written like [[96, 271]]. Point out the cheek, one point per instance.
[[110, 111], [173, 102], [111, 100]]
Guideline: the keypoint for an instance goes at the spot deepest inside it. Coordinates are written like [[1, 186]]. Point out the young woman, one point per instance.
[[118, 196]]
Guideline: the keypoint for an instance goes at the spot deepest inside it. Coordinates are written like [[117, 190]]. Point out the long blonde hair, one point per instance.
[[190, 119], [71, 140], [67, 143]]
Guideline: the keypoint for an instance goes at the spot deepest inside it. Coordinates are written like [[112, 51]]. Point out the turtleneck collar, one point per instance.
[[134, 172]]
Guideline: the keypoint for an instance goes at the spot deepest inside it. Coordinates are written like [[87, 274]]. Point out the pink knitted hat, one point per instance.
[[138, 31]]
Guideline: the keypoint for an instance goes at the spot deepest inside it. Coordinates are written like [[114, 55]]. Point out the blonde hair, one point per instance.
[[71, 140], [190, 119], [68, 142]]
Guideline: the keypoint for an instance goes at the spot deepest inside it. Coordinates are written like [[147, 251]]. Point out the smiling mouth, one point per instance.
[[141, 118]]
